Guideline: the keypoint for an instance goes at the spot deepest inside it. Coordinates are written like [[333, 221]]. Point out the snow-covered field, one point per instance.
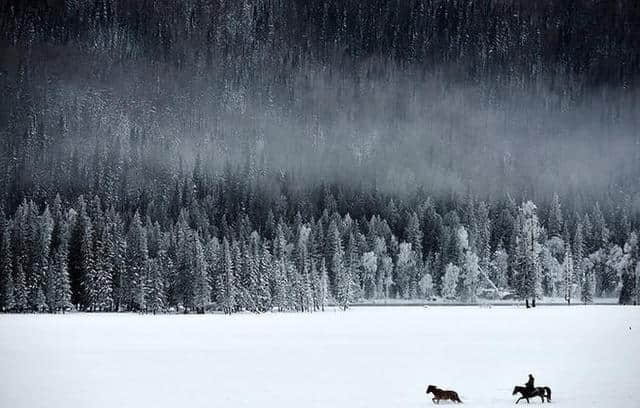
[[378, 357]]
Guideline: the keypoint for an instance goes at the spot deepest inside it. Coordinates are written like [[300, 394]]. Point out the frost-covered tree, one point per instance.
[[226, 295], [587, 292], [201, 285], [470, 277], [369, 264], [40, 257], [450, 282], [343, 280], [405, 270], [552, 273], [615, 265], [155, 294], [628, 270], [413, 235], [527, 255], [569, 275], [386, 276], [59, 282], [263, 295], [137, 257], [324, 285], [99, 283], [7, 300], [19, 288], [80, 253], [499, 267], [426, 286], [470, 268]]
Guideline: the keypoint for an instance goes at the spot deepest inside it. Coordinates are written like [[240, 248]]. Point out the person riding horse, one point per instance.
[[529, 385], [530, 390]]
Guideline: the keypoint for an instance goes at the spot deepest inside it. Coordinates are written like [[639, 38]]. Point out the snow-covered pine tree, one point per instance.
[[183, 282], [569, 274], [62, 284], [99, 278], [426, 286], [628, 270], [614, 267], [483, 239], [226, 297], [137, 256], [528, 251], [241, 294], [115, 250], [201, 286], [386, 275], [280, 284], [413, 235], [155, 287], [254, 270], [343, 281], [332, 243], [450, 282], [500, 266], [243, 262], [7, 300], [279, 242], [405, 270], [302, 277], [315, 284], [263, 296], [588, 282], [578, 257], [470, 276], [637, 300], [21, 248], [40, 256], [324, 285], [91, 287], [307, 291], [380, 251], [19, 287], [212, 251], [80, 252], [352, 264], [369, 264], [470, 270]]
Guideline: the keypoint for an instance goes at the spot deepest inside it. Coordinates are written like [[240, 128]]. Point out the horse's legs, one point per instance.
[[518, 400], [433, 399]]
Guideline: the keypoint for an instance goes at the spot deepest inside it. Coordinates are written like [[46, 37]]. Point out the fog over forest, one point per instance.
[[227, 117], [489, 96]]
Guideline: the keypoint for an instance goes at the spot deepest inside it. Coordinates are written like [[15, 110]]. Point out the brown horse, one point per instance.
[[439, 394]]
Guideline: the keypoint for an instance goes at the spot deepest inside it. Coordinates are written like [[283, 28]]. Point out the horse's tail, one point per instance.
[[457, 397], [548, 393]]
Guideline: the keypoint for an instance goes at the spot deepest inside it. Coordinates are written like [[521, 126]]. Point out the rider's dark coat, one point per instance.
[[529, 383]]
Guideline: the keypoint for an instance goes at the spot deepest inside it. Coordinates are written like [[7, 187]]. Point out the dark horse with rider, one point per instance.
[[531, 391]]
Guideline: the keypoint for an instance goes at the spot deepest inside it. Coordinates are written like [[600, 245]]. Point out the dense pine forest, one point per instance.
[[261, 155]]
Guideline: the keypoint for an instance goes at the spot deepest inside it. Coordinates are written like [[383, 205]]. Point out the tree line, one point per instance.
[[84, 255]]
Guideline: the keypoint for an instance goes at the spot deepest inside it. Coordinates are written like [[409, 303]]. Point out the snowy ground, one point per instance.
[[379, 357]]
